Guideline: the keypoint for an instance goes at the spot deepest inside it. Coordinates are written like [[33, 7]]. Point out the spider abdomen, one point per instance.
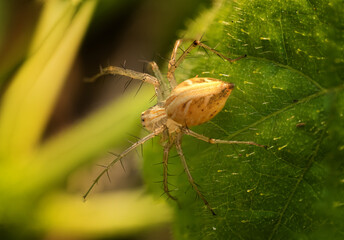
[[197, 100]]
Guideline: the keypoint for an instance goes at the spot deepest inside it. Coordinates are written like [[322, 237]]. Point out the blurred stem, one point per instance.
[[29, 100], [123, 212]]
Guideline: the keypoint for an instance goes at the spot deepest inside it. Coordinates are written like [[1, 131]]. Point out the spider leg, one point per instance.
[[123, 154], [199, 43], [186, 168], [156, 71], [167, 148], [165, 86], [173, 63], [144, 77], [111, 70], [215, 141]]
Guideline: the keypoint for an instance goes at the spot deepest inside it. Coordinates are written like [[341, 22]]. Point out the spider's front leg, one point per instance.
[[144, 77], [122, 155], [112, 70]]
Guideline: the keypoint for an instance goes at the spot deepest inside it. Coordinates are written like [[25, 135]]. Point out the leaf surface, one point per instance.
[[289, 96]]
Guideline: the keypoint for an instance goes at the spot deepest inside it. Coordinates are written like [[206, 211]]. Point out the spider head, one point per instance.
[[153, 118]]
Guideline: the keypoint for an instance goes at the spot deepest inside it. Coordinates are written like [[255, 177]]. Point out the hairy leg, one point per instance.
[[165, 86], [187, 171], [123, 154], [144, 77], [174, 63], [216, 141], [167, 148]]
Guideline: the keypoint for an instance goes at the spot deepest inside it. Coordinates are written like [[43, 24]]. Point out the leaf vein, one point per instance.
[[278, 112], [311, 80], [296, 186], [283, 40]]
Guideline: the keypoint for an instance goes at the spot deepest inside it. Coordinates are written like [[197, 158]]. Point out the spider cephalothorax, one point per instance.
[[192, 102]]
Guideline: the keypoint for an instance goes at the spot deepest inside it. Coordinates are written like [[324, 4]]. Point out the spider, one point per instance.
[[179, 106]]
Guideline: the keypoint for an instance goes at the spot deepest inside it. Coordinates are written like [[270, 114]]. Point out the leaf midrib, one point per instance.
[[312, 159], [230, 136], [316, 84]]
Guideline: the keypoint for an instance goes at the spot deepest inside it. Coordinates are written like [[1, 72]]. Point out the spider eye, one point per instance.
[[196, 42]]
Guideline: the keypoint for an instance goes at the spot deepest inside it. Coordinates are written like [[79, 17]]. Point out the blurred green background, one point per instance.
[[54, 128]]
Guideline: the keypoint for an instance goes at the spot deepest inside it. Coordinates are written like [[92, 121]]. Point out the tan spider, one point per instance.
[[190, 103]]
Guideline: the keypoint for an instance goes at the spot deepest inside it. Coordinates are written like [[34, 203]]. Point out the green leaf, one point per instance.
[[289, 96]]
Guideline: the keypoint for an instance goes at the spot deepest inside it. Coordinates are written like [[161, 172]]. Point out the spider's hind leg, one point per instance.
[[216, 141], [174, 62], [187, 171]]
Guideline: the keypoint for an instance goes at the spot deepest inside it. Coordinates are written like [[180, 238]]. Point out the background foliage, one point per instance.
[[290, 97], [46, 137]]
